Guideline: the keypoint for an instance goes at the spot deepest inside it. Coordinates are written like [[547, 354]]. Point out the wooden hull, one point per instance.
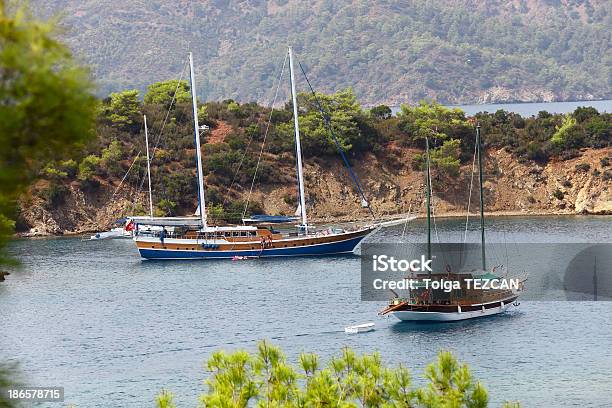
[[153, 248], [449, 313]]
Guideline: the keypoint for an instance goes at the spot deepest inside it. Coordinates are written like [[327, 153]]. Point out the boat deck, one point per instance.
[[488, 301]]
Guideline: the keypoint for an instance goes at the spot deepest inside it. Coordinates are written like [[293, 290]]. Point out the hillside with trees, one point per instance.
[[391, 51], [251, 148]]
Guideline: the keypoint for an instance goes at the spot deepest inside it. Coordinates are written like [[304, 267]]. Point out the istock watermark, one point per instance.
[[541, 271], [383, 263], [448, 285]]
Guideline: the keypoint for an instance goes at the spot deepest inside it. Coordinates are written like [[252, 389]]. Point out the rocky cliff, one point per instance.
[[582, 185]]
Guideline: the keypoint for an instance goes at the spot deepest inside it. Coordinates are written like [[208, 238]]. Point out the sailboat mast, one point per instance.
[[148, 166], [480, 177], [298, 147], [196, 130], [428, 198]]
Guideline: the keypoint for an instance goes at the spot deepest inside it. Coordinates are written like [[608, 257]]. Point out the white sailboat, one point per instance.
[[194, 238]]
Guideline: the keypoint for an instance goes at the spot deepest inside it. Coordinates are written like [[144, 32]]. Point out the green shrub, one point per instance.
[[10, 377], [112, 153], [180, 187], [124, 109], [281, 116], [52, 173], [163, 156], [88, 167], [70, 167], [418, 162], [165, 399], [584, 113], [89, 185], [381, 112], [167, 207], [584, 167], [598, 131], [215, 212], [344, 114], [236, 141], [268, 172], [290, 199], [537, 151], [604, 161], [110, 159], [139, 210], [253, 132], [54, 196], [163, 92], [235, 209], [558, 194], [235, 109], [562, 135], [446, 158], [266, 379], [434, 121]]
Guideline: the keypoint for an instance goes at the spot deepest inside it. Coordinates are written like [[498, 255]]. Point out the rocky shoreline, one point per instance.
[[351, 220], [512, 188]]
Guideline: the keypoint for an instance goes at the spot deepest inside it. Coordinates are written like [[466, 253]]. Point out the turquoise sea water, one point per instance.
[[94, 318]]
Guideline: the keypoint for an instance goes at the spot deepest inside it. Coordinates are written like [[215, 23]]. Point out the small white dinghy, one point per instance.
[[359, 328], [114, 233]]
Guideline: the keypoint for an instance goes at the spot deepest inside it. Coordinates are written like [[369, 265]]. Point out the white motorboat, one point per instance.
[[359, 328]]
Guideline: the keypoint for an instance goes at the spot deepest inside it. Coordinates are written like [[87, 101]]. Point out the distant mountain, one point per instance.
[[388, 51]]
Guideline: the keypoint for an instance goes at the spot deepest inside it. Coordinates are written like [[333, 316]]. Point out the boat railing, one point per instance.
[[168, 234], [211, 236], [191, 235], [482, 297]]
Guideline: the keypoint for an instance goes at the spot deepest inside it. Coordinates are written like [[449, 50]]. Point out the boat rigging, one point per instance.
[[196, 239], [464, 302]]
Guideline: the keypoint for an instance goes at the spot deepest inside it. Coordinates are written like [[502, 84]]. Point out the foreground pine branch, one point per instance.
[[265, 379]]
